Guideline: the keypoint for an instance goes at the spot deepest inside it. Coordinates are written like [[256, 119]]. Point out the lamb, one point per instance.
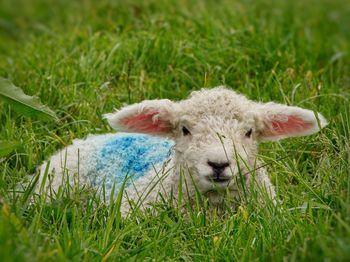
[[206, 143]]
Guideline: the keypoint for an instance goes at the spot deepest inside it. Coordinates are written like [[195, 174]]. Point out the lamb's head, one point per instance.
[[216, 131]]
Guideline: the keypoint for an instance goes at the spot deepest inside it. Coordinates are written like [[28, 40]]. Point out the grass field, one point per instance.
[[84, 58]]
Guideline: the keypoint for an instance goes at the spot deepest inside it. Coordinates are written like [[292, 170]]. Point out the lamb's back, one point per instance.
[[106, 159]]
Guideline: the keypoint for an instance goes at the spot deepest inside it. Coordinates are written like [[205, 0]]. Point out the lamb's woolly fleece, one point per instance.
[[222, 126], [107, 159]]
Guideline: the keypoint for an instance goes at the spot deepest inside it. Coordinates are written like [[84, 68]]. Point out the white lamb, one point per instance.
[[206, 143]]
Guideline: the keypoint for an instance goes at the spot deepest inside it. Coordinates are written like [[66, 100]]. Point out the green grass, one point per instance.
[[84, 58]]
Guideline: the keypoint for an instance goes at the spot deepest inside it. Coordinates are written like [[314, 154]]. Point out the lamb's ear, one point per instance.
[[154, 117], [276, 121]]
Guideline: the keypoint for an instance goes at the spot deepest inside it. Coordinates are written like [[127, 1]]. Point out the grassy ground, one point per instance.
[[83, 58]]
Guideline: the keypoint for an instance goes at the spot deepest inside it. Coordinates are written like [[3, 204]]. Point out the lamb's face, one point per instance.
[[215, 139], [216, 131], [215, 152]]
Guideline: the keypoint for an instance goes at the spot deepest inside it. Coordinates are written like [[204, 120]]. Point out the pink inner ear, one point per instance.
[[145, 123], [292, 125]]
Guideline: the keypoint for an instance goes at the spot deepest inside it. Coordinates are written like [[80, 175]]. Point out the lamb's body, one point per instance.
[[210, 139], [104, 162], [107, 159]]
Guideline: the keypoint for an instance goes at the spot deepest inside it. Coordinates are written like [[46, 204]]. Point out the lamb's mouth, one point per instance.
[[218, 179]]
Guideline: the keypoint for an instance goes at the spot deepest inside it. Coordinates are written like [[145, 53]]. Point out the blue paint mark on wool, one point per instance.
[[129, 154]]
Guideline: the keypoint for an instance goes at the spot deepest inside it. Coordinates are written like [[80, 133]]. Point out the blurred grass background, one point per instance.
[[84, 58]]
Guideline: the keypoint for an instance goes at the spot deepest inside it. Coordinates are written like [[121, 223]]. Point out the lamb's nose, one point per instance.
[[218, 167]]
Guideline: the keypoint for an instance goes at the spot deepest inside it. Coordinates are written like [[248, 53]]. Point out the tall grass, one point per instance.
[[84, 58]]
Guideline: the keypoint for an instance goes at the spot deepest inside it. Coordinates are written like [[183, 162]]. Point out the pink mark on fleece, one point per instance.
[[146, 123], [292, 125]]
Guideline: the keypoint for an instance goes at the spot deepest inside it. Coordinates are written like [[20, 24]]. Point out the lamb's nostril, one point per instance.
[[218, 166]]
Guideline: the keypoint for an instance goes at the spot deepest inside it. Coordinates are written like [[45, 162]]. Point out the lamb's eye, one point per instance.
[[185, 131], [249, 133]]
